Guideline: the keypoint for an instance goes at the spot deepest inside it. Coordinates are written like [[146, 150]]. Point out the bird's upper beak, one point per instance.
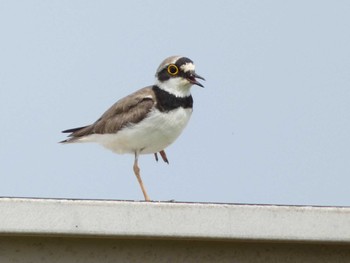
[[191, 77]]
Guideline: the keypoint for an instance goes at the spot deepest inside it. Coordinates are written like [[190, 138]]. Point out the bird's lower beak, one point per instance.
[[192, 78]]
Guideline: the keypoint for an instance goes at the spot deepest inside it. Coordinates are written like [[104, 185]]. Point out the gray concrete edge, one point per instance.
[[168, 220]]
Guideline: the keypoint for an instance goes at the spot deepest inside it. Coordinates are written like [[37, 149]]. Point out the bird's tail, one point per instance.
[[74, 134]]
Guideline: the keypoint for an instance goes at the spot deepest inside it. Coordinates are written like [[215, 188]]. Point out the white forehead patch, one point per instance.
[[188, 67]]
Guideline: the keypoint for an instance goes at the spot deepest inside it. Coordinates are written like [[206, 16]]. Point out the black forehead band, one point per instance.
[[183, 61]]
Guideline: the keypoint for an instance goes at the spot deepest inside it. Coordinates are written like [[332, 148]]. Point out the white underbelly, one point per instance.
[[152, 134]]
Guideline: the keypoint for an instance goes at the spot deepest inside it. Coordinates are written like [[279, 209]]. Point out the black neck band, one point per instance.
[[167, 101]]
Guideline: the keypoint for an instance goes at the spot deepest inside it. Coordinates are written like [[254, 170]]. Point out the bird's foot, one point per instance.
[[163, 155]]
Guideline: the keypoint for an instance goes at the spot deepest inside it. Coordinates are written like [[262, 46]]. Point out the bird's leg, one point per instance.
[[156, 156], [138, 176], [163, 154]]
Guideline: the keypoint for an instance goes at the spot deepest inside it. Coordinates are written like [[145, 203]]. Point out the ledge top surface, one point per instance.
[[173, 220]]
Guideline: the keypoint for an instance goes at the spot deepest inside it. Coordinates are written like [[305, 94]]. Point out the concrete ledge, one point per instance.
[[154, 220]]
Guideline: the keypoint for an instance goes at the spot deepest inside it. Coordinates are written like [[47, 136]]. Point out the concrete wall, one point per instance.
[[86, 250], [33, 230]]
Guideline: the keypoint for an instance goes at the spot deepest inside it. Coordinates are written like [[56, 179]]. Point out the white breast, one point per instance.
[[152, 134]]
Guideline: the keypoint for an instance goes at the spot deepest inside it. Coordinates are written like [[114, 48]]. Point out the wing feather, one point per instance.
[[127, 111]]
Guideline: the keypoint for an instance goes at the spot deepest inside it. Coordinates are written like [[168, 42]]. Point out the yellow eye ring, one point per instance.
[[173, 69]]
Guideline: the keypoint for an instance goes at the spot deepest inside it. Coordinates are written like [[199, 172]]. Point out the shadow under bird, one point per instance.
[[148, 120]]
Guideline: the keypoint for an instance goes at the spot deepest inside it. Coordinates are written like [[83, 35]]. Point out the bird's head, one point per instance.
[[176, 75]]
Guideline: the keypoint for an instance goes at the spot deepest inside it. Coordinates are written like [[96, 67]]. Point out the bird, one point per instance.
[[148, 120]]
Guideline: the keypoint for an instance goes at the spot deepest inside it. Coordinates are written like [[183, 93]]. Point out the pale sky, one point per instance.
[[271, 126]]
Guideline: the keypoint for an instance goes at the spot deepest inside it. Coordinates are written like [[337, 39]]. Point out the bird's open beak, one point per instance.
[[192, 78]]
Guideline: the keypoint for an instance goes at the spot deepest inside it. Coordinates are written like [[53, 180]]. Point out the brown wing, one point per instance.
[[129, 110]]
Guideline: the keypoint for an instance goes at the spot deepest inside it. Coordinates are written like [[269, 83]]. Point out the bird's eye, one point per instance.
[[173, 69]]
